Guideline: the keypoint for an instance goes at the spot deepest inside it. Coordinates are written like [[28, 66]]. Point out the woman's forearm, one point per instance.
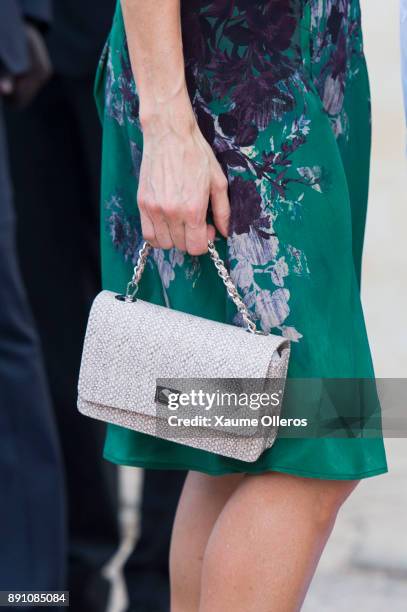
[[153, 29], [179, 171]]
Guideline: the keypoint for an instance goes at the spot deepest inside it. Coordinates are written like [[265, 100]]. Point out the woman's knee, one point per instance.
[[318, 500], [329, 498]]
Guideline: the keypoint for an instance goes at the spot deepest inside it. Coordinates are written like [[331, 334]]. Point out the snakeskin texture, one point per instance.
[[129, 345]]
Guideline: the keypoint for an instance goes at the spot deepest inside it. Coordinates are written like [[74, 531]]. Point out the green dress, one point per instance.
[[280, 91]]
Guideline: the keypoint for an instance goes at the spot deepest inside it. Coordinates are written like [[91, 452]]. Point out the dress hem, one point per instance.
[[152, 465]]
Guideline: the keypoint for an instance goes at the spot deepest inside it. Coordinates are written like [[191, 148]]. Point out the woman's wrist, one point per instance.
[[173, 111]]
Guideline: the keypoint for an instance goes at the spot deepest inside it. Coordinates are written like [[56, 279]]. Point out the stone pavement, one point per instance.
[[364, 566]]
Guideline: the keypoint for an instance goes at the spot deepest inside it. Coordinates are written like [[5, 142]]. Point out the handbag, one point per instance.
[[139, 358]]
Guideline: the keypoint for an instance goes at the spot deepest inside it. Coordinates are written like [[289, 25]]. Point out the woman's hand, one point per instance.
[[179, 173]]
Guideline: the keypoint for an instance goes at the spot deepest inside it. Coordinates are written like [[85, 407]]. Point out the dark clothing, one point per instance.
[[55, 154], [55, 149], [13, 46], [32, 510], [78, 34]]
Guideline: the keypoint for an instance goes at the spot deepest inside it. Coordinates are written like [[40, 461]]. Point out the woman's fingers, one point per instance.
[[211, 232], [178, 177], [147, 228], [161, 230], [177, 231], [165, 233], [154, 225], [220, 202], [196, 239]]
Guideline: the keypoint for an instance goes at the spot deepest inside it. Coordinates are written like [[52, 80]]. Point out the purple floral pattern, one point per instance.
[[124, 228], [337, 51], [249, 84]]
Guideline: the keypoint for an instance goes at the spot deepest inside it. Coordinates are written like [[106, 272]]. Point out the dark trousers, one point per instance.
[[55, 161], [32, 504]]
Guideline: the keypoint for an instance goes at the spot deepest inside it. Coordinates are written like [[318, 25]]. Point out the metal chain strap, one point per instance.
[[132, 286], [231, 289]]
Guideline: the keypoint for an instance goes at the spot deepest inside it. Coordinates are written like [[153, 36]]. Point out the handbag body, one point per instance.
[[136, 355]]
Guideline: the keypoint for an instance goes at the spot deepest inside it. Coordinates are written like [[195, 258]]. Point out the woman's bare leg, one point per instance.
[[203, 498], [267, 541]]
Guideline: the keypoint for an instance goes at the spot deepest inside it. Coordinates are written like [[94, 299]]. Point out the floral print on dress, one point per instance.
[[337, 49], [249, 87], [124, 228]]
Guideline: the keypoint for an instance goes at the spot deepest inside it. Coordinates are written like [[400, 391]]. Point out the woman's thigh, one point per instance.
[[202, 499], [267, 541]]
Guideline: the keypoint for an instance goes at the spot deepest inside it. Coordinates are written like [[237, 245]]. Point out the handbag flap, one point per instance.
[[129, 345]]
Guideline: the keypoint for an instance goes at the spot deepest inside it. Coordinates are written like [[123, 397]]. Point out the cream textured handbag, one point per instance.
[[132, 345]]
